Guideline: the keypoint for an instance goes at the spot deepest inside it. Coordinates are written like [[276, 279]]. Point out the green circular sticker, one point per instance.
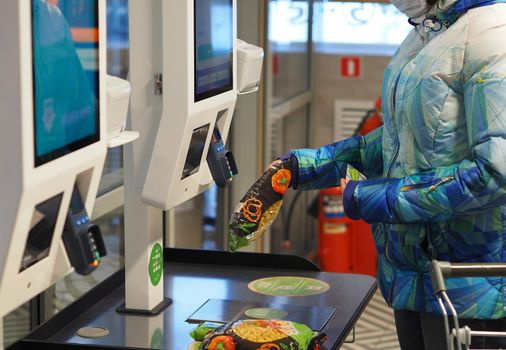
[[288, 286], [155, 268], [266, 313], [157, 339]]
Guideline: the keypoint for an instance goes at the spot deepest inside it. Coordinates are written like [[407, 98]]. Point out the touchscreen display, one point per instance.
[[65, 41], [214, 35]]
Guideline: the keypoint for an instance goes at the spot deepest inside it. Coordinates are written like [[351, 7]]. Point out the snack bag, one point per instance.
[[262, 335], [260, 206]]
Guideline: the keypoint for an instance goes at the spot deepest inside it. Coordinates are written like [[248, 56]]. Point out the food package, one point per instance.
[[260, 206], [259, 335], [203, 329]]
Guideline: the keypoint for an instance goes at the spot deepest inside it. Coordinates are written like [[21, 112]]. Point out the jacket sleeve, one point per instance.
[[474, 185], [324, 167]]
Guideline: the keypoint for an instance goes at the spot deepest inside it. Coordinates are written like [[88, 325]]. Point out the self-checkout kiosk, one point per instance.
[[197, 93], [53, 142], [52, 146], [199, 96]]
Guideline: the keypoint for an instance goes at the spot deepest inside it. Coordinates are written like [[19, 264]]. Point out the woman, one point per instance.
[[436, 170]]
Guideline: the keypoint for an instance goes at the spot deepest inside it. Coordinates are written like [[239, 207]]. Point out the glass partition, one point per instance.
[[74, 286], [16, 324], [288, 36], [358, 28], [293, 232], [117, 65]]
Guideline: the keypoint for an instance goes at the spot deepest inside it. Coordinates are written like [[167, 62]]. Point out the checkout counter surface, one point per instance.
[[191, 279]]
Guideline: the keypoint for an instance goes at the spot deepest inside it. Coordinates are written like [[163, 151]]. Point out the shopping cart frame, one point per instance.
[[460, 337]]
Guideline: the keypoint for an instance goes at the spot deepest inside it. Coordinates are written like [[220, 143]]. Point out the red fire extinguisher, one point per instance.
[[346, 245], [334, 248]]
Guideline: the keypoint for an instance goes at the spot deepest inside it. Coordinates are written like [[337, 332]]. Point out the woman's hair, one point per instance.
[[431, 2]]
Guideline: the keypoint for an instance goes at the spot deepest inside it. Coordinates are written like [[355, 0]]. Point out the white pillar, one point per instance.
[[143, 224]]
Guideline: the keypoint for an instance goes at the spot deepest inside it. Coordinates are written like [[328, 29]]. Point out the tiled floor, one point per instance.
[[375, 329]]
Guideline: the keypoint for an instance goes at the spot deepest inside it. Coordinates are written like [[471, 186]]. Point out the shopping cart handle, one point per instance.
[[443, 269]]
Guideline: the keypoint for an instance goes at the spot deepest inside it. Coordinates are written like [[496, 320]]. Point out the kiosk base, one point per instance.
[[122, 309]]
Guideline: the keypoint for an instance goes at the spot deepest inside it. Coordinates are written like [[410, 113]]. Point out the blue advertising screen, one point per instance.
[[65, 76], [214, 38]]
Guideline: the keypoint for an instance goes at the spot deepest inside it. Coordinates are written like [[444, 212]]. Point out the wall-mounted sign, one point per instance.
[[351, 67]]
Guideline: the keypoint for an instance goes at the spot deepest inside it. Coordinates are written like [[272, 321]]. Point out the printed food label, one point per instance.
[[288, 286], [266, 313]]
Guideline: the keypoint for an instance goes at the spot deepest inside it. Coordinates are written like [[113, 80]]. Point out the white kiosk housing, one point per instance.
[[52, 138], [199, 95]]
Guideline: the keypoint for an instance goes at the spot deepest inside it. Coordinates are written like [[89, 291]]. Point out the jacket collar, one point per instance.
[[446, 12]]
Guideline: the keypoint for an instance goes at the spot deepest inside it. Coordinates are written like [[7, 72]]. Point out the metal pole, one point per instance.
[[455, 316], [449, 344], [1, 332], [474, 270], [488, 334]]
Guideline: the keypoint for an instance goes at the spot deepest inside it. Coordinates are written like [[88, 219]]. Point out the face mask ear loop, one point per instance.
[[413, 23], [432, 25]]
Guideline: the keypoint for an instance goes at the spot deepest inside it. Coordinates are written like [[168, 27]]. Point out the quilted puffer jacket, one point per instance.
[[436, 170]]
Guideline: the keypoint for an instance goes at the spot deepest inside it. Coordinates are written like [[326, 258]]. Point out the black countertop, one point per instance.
[[190, 285]]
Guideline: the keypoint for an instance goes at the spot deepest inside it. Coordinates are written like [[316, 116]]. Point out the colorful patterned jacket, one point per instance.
[[436, 170]]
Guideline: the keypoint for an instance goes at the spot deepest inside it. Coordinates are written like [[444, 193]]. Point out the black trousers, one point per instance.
[[421, 331]]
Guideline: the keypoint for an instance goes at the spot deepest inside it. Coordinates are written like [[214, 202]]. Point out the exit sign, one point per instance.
[[351, 66]]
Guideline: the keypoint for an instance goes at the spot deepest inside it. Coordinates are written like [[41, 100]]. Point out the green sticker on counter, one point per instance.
[[155, 268], [288, 286], [266, 313], [157, 339]]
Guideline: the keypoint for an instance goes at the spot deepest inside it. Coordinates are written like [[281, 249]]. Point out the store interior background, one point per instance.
[[301, 95]]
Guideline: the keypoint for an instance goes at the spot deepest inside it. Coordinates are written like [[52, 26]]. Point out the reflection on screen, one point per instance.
[[214, 31], [195, 151], [65, 75]]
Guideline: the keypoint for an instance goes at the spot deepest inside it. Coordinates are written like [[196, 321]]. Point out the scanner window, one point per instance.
[[195, 151], [41, 232]]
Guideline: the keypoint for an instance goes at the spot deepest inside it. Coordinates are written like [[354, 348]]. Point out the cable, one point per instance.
[[291, 208]]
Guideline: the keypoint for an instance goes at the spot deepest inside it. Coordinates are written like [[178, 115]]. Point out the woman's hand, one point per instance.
[[274, 164], [344, 182]]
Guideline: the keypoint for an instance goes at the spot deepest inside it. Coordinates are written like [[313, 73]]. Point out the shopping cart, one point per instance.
[[460, 337]]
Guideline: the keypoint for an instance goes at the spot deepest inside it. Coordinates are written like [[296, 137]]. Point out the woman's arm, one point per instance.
[[324, 167]]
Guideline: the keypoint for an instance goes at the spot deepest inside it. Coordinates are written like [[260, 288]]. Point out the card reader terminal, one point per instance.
[[220, 160], [83, 239]]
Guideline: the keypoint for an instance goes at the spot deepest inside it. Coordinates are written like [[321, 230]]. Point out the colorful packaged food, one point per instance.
[[260, 206], [261, 335], [203, 329]]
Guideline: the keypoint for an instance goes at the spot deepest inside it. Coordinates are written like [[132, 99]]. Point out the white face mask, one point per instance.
[[411, 8]]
